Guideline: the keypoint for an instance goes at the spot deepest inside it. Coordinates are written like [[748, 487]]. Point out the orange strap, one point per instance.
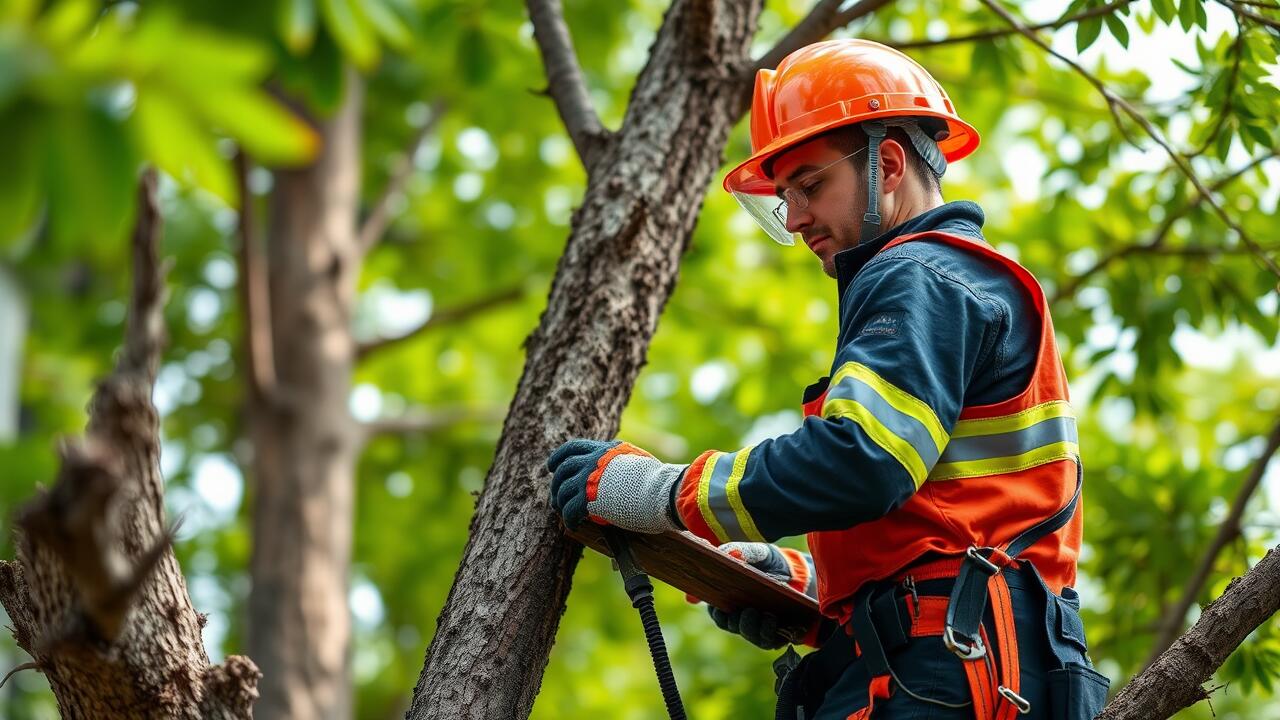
[[929, 618]]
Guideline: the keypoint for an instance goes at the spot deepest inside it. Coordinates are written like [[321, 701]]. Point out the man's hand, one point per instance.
[[612, 483], [782, 564]]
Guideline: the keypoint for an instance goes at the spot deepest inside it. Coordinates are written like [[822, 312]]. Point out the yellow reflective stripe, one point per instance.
[[1002, 465], [1010, 423], [901, 400], [900, 449], [704, 495], [735, 497]]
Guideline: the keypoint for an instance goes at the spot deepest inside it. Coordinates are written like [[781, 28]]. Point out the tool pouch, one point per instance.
[[1076, 690]]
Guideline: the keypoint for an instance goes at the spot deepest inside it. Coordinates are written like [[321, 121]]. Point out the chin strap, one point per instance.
[[875, 131], [926, 147]]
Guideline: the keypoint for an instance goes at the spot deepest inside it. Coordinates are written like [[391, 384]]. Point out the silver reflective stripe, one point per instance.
[[718, 496], [984, 447], [899, 423]]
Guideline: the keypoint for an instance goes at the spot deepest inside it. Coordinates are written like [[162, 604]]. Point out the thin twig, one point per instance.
[[1237, 51], [824, 18], [1116, 102], [1153, 244], [447, 316], [428, 421], [1260, 19], [375, 224], [20, 668], [565, 82], [993, 33], [1227, 531]]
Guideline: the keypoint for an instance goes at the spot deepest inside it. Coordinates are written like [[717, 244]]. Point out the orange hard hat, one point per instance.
[[840, 82]]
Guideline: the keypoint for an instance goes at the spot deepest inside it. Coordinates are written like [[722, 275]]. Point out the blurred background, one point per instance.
[[1167, 322]]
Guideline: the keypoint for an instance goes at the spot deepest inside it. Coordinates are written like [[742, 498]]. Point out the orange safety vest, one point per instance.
[[1005, 467]]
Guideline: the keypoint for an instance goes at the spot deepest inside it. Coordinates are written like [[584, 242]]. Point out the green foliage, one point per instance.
[[1170, 343]]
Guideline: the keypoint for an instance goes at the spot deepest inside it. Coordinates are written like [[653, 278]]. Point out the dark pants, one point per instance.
[[1050, 636]]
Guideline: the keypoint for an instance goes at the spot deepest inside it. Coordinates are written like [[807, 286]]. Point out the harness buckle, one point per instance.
[[909, 584], [971, 650], [984, 564], [1024, 707]]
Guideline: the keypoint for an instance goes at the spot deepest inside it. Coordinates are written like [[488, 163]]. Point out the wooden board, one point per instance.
[[693, 565]]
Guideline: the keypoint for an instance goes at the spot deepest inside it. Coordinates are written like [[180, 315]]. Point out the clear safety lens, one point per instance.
[[770, 213]]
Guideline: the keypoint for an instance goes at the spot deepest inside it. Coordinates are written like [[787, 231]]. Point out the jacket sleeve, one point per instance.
[[910, 338]]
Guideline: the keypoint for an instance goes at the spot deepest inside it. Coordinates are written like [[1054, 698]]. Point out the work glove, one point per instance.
[[758, 627], [612, 483]]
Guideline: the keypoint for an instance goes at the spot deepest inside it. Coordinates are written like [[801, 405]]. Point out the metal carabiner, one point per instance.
[[1024, 707], [972, 650], [987, 566]]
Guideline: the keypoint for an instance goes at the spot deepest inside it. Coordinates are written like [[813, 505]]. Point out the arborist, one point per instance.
[[936, 473]]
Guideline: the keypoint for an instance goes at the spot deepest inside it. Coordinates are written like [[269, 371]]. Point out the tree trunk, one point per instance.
[[644, 191], [96, 595], [304, 440]]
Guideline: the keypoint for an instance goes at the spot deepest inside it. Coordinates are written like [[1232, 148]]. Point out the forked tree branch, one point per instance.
[[1155, 243], [1174, 681], [1116, 102], [446, 316], [565, 82], [994, 33], [379, 217], [1229, 530], [825, 18]]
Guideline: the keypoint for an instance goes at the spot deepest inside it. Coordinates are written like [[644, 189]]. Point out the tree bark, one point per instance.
[[1174, 680], [96, 595], [303, 439], [643, 195]]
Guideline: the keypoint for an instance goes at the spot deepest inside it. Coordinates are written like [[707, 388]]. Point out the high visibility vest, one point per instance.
[[1004, 467]]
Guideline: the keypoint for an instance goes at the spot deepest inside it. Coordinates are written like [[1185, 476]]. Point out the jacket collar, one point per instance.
[[961, 217]]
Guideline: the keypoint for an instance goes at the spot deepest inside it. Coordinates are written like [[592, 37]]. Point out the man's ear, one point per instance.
[[893, 165]]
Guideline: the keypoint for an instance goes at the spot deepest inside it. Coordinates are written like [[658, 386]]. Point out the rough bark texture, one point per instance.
[[96, 595], [303, 438], [1174, 680], [618, 269]]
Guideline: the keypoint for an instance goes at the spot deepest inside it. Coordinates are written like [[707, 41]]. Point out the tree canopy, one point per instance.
[[1093, 175]]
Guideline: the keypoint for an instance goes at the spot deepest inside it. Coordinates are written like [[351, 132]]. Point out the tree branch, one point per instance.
[[1002, 32], [565, 83], [375, 224], [1237, 52], [1154, 244], [255, 299], [1227, 531], [1260, 19], [1174, 680], [447, 316], [144, 330], [1116, 102], [430, 421], [822, 20]]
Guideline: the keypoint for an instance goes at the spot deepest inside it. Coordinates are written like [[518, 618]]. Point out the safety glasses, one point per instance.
[[770, 212]]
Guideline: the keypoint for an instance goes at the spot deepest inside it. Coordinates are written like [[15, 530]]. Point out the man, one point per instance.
[[936, 473]]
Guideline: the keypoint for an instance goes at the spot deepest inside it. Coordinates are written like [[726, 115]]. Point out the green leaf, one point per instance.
[[21, 190], [1086, 32], [268, 132], [348, 27], [474, 56], [1259, 135], [176, 143], [296, 23], [92, 174], [1187, 13], [387, 22], [68, 21], [1118, 30], [1164, 9], [1146, 22], [1223, 146]]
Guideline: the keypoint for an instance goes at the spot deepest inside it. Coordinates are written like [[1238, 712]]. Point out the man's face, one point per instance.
[[836, 195]]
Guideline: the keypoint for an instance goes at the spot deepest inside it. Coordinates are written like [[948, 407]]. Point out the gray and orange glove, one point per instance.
[[612, 483], [785, 565]]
